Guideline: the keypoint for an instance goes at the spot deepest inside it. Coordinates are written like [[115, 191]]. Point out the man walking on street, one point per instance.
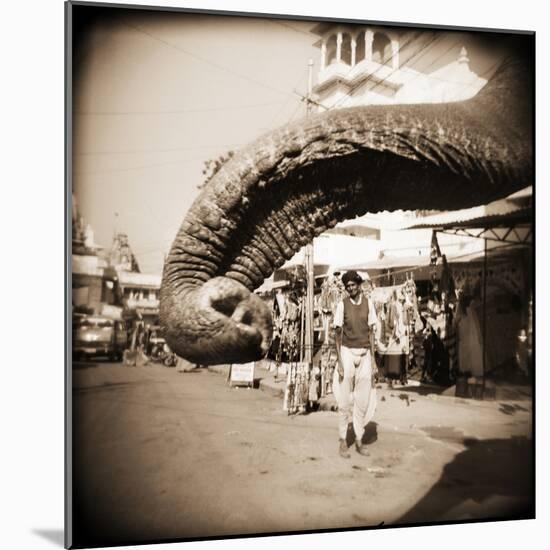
[[354, 323]]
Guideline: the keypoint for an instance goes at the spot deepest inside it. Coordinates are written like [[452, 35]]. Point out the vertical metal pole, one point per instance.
[[484, 345], [309, 85], [303, 316], [308, 356], [115, 227]]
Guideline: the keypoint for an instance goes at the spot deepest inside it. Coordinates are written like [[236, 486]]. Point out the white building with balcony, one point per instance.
[[375, 65], [364, 64], [140, 293]]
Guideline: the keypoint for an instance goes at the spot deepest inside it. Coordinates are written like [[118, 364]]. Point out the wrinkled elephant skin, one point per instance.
[[289, 186]]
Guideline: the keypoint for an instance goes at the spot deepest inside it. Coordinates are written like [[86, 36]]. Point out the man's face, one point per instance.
[[353, 289]]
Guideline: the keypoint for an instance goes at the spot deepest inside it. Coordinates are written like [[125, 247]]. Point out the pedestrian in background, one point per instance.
[[353, 387], [469, 335]]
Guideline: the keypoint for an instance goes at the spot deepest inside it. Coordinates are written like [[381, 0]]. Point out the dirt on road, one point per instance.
[[165, 455]]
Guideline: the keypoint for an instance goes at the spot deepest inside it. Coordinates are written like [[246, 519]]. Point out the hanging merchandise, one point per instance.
[[443, 359], [277, 314], [286, 314], [411, 303], [439, 341], [446, 283], [506, 275], [415, 325], [314, 385], [297, 388], [288, 342], [436, 269], [421, 350], [524, 344], [329, 360], [448, 305], [290, 327], [332, 292], [435, 251], [395, 342], [297, 391], [398, 321]]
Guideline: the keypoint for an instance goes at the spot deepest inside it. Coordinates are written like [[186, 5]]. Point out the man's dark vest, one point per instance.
[[355, 333]]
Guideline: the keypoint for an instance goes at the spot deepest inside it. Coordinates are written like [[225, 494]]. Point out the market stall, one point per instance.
[[288, 353], [492, 293], [398, 321]]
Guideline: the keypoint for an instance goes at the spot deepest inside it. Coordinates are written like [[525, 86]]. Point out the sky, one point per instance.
[[156, 97], [158, 94]]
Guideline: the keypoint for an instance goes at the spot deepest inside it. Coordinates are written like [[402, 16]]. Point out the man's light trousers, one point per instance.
[[356, 394]]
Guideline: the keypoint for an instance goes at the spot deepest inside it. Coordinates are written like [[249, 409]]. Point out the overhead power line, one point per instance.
[[417, 56], [373, 74], [178, 111], [294, 112], [277, 115], [205, 60], [433, 62], [136, 168], [286, 25], [169, 150]]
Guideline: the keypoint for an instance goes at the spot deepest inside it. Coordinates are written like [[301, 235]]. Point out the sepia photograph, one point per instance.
[[301, 284]]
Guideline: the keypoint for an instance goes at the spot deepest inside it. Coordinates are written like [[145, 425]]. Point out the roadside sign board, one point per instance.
[[242, 374]]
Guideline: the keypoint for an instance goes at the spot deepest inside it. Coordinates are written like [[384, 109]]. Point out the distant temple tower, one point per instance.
[[121, 256]]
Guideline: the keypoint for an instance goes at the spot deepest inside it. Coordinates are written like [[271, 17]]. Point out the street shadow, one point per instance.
[[420, 390], [57, 536], [370, 435], [508, 409], [84, 365], [486, 468], [102, 387], [109, 386]]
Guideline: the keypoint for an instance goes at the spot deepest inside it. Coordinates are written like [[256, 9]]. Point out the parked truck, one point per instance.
[[98, 336]]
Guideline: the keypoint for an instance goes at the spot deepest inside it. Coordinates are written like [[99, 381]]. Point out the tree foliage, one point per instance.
[[212, 167]]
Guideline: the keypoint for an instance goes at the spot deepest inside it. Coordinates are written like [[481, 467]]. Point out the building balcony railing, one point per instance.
[[364, 68]]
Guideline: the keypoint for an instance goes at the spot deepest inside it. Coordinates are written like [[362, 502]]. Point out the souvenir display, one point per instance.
[[394, 338], [296, 395], [332, 291]]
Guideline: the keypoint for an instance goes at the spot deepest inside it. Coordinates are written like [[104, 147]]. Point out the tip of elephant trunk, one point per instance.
[[217, 323]]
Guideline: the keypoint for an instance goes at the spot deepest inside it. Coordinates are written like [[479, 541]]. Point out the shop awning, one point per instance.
[[513, 228], [388, 262], [519, 216], [509, 220]]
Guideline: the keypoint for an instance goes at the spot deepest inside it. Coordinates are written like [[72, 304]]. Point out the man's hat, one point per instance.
[[351, 276]]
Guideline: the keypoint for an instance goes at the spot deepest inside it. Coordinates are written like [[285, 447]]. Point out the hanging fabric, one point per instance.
[[435, 251], [446, 283]]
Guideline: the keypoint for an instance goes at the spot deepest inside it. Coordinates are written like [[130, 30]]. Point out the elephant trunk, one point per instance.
[[291, 185]]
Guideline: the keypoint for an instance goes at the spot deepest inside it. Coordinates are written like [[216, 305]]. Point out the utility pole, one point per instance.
[[310, 288], [484, 297]]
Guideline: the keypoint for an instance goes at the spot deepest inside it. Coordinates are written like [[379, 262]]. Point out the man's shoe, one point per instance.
[[344, 451], [361, 449]]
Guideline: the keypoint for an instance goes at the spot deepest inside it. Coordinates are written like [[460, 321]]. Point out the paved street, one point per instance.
[[162, 454]]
